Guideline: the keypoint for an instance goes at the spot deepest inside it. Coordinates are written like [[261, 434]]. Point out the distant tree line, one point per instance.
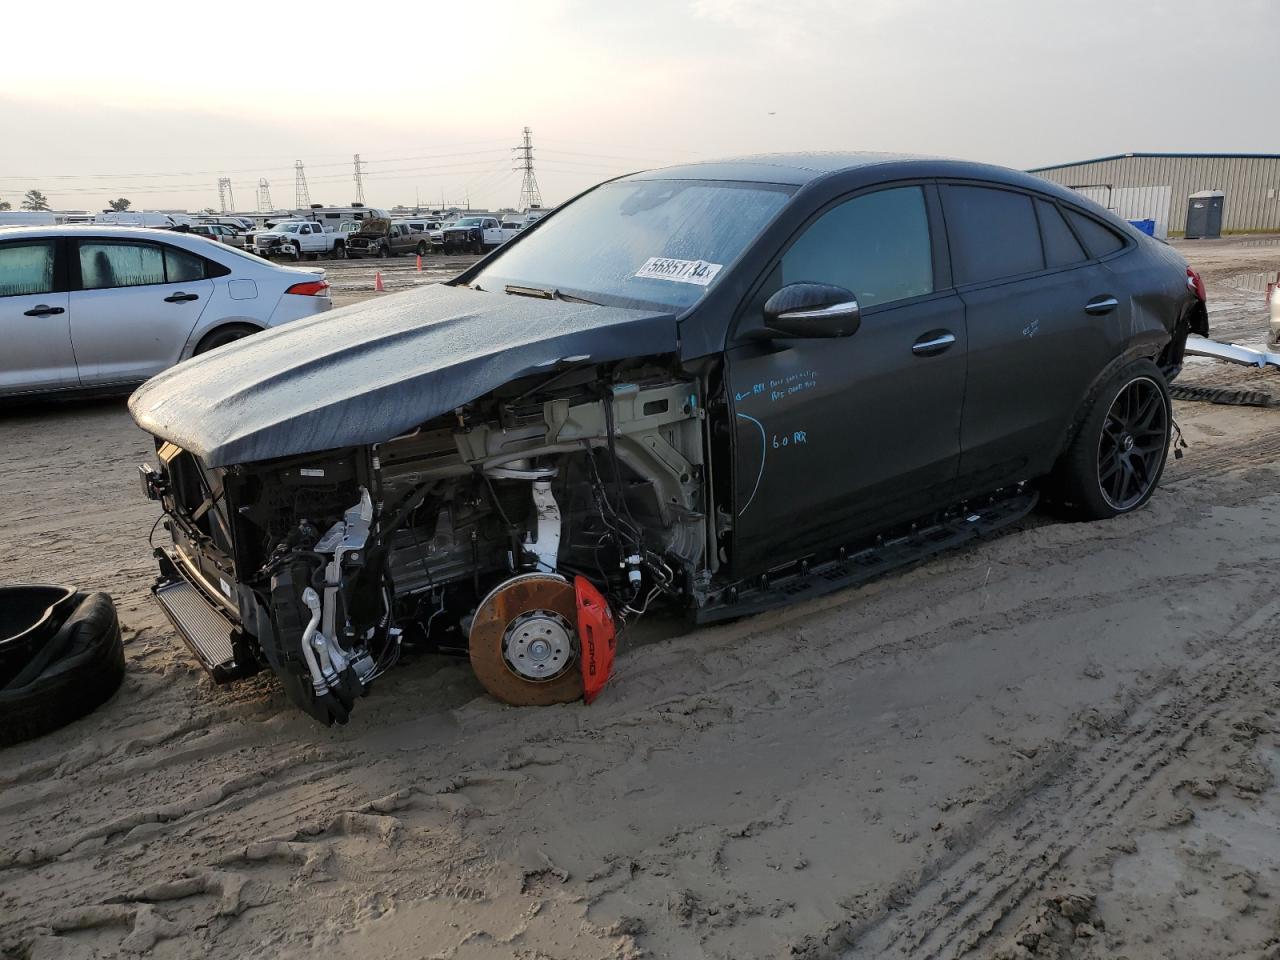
[[35, 200]]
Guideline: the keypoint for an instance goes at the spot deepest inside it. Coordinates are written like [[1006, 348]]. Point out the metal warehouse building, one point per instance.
[[1157, 186]]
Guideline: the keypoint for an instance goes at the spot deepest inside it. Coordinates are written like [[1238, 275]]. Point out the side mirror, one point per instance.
[[809, 310]]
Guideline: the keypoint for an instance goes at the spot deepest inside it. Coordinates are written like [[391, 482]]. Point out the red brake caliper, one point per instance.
[[597, 636]]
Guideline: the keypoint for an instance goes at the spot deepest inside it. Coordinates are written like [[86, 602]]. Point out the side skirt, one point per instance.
[[806, 579]]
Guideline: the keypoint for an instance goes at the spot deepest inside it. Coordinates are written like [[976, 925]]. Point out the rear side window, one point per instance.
[[105, 265], [992, 233], [180, 266], [1061, 247], [1099, 240], [26, 269], [876, 246]]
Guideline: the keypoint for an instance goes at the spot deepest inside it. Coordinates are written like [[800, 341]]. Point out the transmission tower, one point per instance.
[[264, 196], [529, 195], [301, 196], [226, 199], [359, 180]]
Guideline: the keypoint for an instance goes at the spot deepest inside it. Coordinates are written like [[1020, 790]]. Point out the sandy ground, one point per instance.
[[1061, 743]]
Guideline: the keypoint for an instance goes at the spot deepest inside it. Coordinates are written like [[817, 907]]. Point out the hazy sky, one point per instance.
[[155, 101]]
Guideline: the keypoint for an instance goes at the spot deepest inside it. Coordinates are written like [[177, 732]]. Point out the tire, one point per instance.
[[75, 672], [1101, 476], [339, 251], [295, 251], [384, 251], [422, 249], [478, 249], [222, 336]]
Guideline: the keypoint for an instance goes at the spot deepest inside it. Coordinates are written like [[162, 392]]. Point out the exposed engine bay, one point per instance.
[[517, 529]]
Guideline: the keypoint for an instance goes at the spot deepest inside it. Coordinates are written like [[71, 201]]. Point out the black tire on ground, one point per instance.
[[223, 335], [479, 247], [339, 251], [384, 250], [422, 249], [1118, 453], [75, 672]]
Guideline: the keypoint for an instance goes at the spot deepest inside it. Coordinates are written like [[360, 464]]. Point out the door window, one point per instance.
[[1060, 245], [104, 265], [876, 246], [26, 269], [992, 233], [1098, 239], [181, 267]]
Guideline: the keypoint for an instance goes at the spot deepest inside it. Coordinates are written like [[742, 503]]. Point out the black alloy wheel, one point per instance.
[[1132, 444]]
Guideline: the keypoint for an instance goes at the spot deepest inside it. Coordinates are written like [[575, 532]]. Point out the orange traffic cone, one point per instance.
[[377, 282], [419, 263]]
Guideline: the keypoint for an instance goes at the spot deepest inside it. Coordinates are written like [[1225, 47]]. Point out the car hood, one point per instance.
[[369, 372]]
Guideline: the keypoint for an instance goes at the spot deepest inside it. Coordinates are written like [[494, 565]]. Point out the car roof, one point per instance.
[[789, 168], [805, 169], [80, 229]]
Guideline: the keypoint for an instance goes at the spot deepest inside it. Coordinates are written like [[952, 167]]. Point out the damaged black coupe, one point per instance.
[[722, 387]]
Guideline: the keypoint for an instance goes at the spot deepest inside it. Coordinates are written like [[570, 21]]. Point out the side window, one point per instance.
[[26, 268], [876, 246], [104, 265], [180, 266], [1099, 240], [1060, 245], [992, 233]]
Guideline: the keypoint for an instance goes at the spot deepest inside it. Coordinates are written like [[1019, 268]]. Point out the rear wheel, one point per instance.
[[524, 641], [222, 336], [1118, 454]]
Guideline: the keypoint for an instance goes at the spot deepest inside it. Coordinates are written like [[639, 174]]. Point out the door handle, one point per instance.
[[42, 310], [181, 297], [933, 342], [1101, 305]]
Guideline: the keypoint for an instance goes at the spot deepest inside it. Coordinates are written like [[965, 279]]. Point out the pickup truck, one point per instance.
[[477, 235], [378, 237], [298, 239]]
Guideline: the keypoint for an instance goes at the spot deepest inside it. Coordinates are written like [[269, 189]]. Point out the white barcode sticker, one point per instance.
[[698, 272]]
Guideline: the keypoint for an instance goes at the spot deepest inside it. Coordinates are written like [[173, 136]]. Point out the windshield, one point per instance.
[[468, 222], [647, 241], [286, 227]]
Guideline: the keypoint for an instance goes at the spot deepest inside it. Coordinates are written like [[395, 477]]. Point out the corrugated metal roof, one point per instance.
[[1180, 156]]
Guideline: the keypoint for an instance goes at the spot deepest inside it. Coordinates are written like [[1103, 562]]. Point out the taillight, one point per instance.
[[1195, 284], [310, 288]]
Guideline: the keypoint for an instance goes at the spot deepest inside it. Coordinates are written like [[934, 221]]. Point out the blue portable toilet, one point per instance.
[[1204, 215]]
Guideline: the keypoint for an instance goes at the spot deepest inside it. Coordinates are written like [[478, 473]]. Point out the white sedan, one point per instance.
[[101, 309]]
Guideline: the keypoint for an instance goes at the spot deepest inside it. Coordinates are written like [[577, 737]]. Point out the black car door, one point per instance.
[[833, 437], [1043, 320]]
